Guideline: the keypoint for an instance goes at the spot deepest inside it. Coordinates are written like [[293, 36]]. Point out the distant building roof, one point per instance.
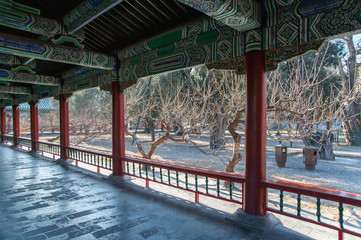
[[44, 105]]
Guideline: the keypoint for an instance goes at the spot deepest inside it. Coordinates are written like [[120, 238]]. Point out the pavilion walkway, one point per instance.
[[41, 200]]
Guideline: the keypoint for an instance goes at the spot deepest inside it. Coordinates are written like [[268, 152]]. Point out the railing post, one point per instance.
[[34, 119], [255, 140], [64, 125], [118, 129], [16, 124], [3, 123]]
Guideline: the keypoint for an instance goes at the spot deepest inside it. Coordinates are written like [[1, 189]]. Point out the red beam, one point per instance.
[[34, 119], [16, 124], [255, 140], [64, 126], [118, 129], [3, 123]]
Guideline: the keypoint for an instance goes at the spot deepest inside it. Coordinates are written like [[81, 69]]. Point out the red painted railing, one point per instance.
[[24, 142], [333, 198], [47, 147], [8, 139], [90, 157], [198, 180]]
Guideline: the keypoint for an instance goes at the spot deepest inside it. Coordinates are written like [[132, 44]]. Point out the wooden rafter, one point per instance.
[[87, 12]]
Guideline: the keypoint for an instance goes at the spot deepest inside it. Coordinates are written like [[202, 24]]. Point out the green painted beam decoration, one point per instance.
[[86, 12], [237, 64], [45, 51], [10, 4], [19, 99], [31, 78], [76, 79], [198, 43], [80, 73], [292, 28], [191, 35], [5, 96], [283, 11], [241, 15], [15, 90], [23, 69], [87, 78], [34, 23], [66, 39], [30, 22], [42, 92], [9, 60], [275, 56], [295, 22]]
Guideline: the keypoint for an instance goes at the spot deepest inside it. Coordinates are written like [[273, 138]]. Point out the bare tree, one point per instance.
[[90, 115], [351, 115], [305, 93]]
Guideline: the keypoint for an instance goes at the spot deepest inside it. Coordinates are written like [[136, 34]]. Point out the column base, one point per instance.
[[259, 224], [34, 153], [64, 162], [118, 180]]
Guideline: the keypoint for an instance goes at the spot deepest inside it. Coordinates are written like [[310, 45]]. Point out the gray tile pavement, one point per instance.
[[42, 200]]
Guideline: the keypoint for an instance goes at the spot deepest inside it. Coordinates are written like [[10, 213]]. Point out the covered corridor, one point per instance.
[[39, 199]]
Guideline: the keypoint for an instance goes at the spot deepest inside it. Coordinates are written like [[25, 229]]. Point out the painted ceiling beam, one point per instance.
[[5, 96], [33, 23], [12, 60], [15, 90], [240, 15], [13, 45], [22, 77], [30, 22], [86, 12]]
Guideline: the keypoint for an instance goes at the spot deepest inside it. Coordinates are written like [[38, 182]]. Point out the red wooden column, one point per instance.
[[3, 123], [118, 129], [34, 119], [64, 125], [255, 141], [16, 124]]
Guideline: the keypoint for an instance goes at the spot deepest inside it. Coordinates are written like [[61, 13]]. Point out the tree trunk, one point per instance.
[[328, 126], [324, 142], [352, 110], [236, 157], [152, 132], [352, 125], [217, 135]]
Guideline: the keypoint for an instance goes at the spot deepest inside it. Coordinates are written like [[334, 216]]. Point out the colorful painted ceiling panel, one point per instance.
[[50, 47]]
